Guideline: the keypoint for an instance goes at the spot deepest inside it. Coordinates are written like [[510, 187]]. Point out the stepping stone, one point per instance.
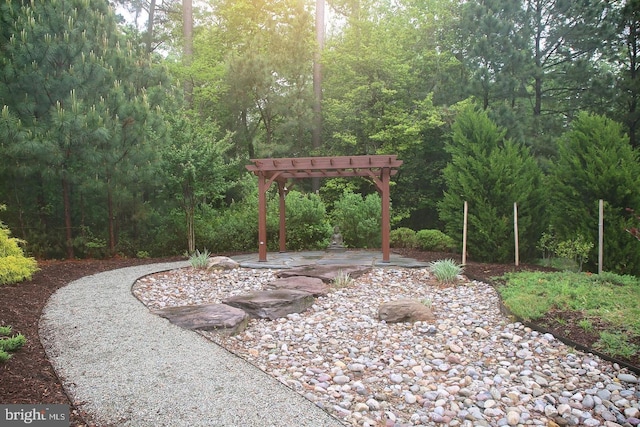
[[220, 318], [272, 304], [326, 273], [313, 285], [405, 310]]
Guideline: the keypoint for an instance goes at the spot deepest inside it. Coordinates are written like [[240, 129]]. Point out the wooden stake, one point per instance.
[[464, 234], [515, 231], [600, 235]]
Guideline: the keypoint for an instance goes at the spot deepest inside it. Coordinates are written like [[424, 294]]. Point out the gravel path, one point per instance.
[[128, 367], [472, 367]]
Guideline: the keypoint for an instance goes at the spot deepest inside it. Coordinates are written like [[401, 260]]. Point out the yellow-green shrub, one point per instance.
[[14, 266]]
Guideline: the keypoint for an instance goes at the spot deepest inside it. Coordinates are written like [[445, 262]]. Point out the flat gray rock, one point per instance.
[[272, 304], [220, 318], [313, 285], [405, 310], [326, 273]]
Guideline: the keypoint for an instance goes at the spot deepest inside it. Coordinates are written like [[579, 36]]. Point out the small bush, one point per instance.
[[8, 344], [402, 237], [446, 271], [307, 227], [15, 269], [435, 241], [359, 219], [14, 266]]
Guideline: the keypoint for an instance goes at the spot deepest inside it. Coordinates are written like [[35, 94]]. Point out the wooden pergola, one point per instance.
[[378, 168]]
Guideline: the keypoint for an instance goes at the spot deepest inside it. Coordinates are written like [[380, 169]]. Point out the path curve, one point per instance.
[[127, 367]]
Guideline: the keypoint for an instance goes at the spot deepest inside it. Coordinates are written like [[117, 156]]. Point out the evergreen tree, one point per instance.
[[595, 161], [491, 173], [74, 85]]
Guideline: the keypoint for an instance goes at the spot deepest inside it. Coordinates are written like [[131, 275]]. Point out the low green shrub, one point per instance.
[[9, 344], [402, 237], [434, 241]]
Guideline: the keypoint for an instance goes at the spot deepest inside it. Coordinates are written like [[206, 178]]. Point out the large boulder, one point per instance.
[[313, 285], [405, 310], [272, 304], [220, 318], [222, 263], [326, 273]]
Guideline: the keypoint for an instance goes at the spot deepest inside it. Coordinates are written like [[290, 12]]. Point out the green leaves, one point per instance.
[[491, 174]]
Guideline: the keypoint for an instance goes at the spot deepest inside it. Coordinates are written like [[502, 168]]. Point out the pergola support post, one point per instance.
[[386, 226], [262, 217], [282, 192]]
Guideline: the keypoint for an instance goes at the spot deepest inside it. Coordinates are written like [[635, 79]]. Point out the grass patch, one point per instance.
[[610, 298]]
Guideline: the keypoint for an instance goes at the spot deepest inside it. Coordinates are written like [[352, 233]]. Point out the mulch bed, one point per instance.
[[28, 377]]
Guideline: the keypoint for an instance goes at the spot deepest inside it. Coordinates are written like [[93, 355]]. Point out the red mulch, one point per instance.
[[28, 378]]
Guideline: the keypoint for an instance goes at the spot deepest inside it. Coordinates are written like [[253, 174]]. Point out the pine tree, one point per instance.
[[73, 83]]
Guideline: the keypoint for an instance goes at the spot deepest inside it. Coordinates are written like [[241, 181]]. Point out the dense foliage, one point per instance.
[[14, 265], [491, 173], [128, 134]]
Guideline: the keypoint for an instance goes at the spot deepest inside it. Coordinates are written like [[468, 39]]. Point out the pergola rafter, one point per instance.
[[379, 169]]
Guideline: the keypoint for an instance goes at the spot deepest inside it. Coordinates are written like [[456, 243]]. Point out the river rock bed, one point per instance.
[[471, 367]]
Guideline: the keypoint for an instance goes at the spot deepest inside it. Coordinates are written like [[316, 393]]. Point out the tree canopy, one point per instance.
[[125, 124]]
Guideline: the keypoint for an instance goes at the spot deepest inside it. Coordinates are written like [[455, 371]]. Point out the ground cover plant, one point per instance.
[[9, 342], [601, 308]]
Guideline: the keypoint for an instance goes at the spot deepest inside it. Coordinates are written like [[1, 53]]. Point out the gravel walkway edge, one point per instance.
[[128, 367]]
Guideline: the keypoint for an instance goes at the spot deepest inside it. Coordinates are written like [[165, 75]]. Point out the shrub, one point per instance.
[[8, 344], [491, 172], [14, 266], [307, 226], [402, 237], [359, 219], [434, 240], [595, 161], [576, 250]]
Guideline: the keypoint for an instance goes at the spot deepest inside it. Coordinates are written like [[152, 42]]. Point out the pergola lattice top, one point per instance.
[[321, 167], [379, 168]]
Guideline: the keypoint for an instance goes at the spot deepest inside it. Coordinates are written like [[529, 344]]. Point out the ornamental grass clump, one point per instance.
[[199, 259], [342, 280], [446, 270]]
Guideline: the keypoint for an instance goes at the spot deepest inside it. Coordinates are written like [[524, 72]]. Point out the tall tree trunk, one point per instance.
[[149, 36], [634, 54], [317, 84], [111, 226], [537, 108], [66, 197], [187, 19]]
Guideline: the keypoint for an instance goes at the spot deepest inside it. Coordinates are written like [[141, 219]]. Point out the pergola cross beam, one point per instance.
[[379, 168]]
